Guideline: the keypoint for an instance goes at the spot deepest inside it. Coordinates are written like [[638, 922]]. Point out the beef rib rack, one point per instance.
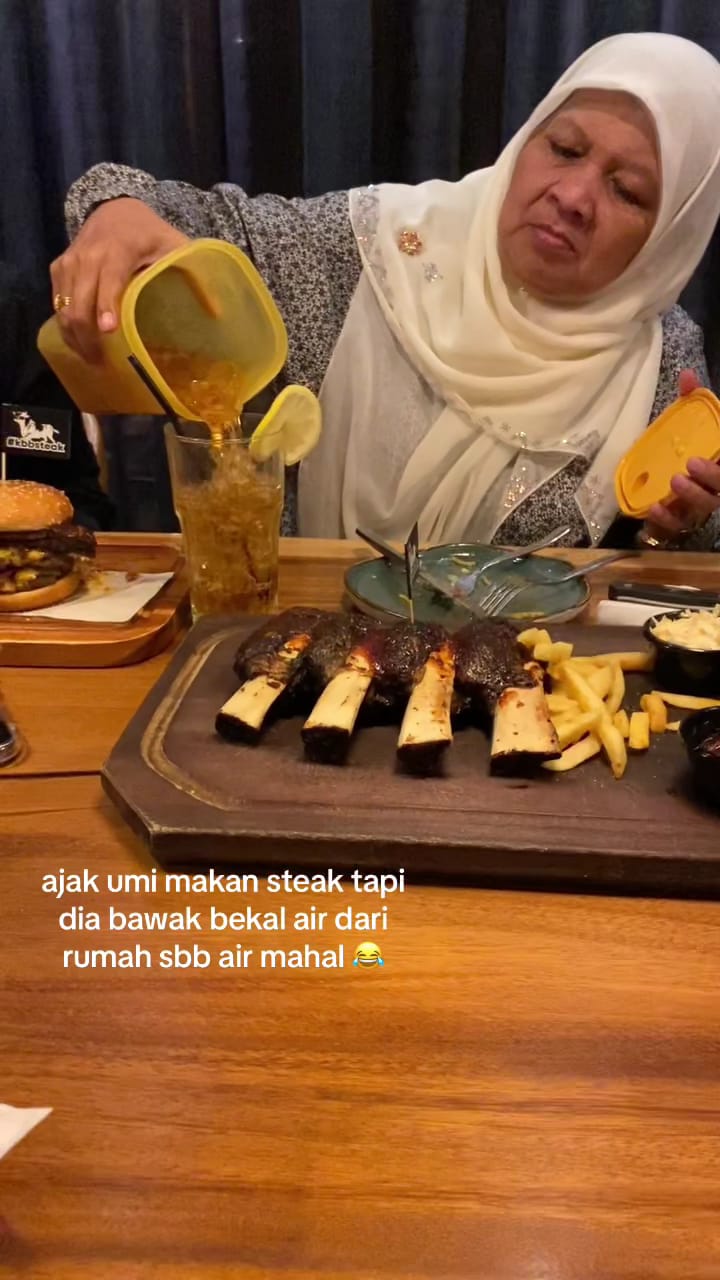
[[341, 669]]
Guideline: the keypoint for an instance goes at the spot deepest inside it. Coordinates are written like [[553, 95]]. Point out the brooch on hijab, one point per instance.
[[409, 242]]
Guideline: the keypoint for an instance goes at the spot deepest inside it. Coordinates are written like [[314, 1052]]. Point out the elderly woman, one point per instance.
[[487, 350]]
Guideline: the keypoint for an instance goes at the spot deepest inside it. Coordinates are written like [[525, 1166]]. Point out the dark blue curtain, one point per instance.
[[545, 36], [89, 80], [293, 96]]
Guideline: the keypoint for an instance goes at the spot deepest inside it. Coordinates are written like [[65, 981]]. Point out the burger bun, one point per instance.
[[43, 597], [26, 506]]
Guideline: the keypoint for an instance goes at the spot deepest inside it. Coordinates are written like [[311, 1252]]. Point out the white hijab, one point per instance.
[[449, 397]]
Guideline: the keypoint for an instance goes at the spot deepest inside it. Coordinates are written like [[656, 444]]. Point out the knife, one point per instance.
[[10, 740], [676, 597]]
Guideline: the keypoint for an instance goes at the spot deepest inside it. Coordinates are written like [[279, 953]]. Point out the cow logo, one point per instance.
[[29, 431]]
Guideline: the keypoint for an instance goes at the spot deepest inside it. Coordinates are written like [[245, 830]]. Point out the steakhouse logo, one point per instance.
[[23, 433], [42, 438]]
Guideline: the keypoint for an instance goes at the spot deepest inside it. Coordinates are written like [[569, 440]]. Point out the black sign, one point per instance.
[[412, 564], [43, 432]]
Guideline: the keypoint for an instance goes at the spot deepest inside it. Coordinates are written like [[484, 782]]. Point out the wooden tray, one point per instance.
[[47, 642], [201, 801]]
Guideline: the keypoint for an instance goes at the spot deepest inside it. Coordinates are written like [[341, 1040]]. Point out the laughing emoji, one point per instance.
[[367, 955]]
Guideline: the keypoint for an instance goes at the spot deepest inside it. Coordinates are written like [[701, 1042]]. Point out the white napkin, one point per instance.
[[110, 597], [627, 613], [16, 1123]]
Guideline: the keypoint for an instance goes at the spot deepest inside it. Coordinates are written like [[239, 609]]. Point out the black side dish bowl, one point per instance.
[[679, 669], [701, 734]]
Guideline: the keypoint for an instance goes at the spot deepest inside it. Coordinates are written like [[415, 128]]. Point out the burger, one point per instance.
[[41, 550]]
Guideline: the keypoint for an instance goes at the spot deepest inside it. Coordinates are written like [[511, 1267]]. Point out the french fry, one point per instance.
[[586, 703], [560, 702], [553, 653], [600, 681], [574, 728], [556, 675], [622, 723], [639, 739], [625, 661], [657, 712], [532, 637], [617, 691], [674, 727], [610, 737], [686, 701], [577, 754]]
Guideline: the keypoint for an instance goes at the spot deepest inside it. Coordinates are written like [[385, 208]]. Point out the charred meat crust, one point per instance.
[[488, 660], [332, 643], [398, 655], [60, 539], [258, 655]]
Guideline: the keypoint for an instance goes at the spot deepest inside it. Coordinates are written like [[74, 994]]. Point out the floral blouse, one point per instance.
[[306, 252]]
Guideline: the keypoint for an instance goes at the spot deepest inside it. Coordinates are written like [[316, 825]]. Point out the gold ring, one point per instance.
[[60, 301], [644, 539]]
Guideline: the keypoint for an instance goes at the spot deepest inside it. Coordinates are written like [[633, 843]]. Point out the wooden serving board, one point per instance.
[[48, 642], [199, 800]]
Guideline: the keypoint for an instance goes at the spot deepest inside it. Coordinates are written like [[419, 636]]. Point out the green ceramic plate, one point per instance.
[[378, 588]]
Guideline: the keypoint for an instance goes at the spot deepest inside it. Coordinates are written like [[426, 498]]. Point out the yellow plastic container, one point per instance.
[[689, 428], [205, 300]]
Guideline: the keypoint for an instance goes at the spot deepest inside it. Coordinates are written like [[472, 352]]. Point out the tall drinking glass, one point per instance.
[[229, 507]]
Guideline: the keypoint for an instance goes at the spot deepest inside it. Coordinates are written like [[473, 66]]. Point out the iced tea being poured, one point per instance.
[[229, 507], [228, 504], [215, 390]]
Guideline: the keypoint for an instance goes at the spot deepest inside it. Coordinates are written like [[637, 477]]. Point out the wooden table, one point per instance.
[[527, 1090]]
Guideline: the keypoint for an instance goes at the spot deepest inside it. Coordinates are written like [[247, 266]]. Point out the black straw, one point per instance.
[[142, 372]]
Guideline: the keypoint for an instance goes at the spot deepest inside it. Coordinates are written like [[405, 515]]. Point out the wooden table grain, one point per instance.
[[528, 1089]]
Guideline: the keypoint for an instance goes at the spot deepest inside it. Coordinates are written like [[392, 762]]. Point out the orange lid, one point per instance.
[[689, 428]]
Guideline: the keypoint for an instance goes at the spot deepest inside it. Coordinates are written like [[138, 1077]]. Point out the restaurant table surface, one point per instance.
[[527, 1090]]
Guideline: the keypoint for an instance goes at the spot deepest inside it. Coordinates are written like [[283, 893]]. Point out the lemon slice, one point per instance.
[[291, 427]]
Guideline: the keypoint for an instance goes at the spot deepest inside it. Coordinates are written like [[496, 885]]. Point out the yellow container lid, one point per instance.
[[689, 428], [205, 299]]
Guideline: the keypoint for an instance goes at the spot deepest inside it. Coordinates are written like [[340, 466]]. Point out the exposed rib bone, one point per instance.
[[329, 727], [426, 730], [523, 732]]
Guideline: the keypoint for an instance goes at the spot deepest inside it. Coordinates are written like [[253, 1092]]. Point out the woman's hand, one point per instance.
[[117, 241], [697, 494]]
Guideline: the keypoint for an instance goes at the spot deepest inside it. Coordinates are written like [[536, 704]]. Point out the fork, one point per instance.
[[500, 597], [466, 584]]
